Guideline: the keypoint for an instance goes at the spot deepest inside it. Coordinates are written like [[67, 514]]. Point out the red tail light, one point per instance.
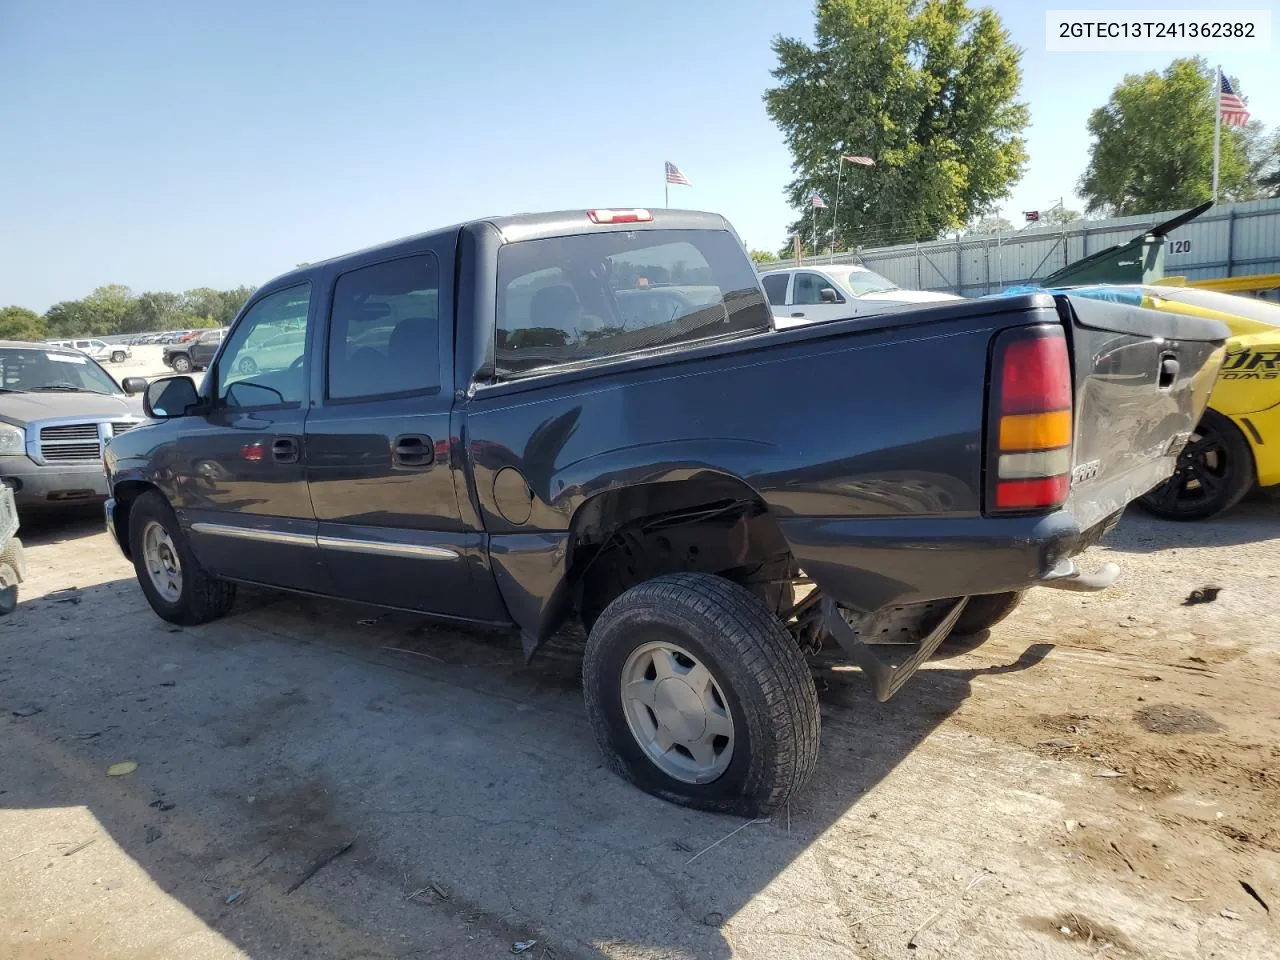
[[1029, 436], [636, 215]]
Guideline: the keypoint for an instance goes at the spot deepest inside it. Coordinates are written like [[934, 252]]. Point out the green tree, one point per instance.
[[156, 310], [759, 257], [1264, 159], [19, 323], [926, 88], [1055, 216], [1153, 145], [218, 306], [232, 301], [70, 318], [990, 225]]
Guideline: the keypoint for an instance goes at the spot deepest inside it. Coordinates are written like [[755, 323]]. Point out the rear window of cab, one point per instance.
[[567, 300]]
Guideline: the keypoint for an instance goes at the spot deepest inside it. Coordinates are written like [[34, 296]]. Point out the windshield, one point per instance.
[[860, 281], [30, 369], [592, 296]]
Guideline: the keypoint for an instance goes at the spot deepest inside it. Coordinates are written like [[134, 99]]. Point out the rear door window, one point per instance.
[[384, 330], [568, 300], [775, 288]]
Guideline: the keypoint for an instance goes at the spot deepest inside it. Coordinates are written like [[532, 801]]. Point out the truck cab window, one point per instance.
[[594, 296], [384, 331], [808, 288], [775, 288], [264, 361]]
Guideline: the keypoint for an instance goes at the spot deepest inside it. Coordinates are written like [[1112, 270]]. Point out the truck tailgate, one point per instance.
[[1142, 379]]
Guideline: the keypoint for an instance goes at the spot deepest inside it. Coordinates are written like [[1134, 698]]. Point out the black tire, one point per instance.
[[247, 366], [767, 687], [1214, 473], [984, 611], [181, 363], [117, 357], [203, 597]]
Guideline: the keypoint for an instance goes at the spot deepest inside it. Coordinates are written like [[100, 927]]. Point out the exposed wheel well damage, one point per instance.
[[710, 524], [124, 494]]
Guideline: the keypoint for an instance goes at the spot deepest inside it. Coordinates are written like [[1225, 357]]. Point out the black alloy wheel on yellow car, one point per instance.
[[1215, 470]]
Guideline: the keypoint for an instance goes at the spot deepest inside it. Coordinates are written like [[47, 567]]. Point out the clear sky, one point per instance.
[[170, 145]]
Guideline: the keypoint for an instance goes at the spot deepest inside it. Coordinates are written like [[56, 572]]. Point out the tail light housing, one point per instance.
[[633, 215], [1030, 423]]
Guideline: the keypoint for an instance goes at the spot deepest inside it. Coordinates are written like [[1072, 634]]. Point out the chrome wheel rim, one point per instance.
[[677, 712], [160, 557]]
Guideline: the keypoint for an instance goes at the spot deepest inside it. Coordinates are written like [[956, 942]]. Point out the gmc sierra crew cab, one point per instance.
[[589, 414]]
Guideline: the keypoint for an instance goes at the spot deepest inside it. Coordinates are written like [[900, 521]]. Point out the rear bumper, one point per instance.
[[867, 564], [53, 485]]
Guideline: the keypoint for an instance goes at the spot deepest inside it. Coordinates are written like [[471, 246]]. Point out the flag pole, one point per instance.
[[666, 189], [835, 213], [1217, 125]]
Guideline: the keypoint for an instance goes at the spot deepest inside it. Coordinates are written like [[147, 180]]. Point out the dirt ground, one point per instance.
[[147, 361], [1099, 778]]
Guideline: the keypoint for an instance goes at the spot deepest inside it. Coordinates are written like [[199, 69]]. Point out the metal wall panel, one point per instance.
[[1230, 240]]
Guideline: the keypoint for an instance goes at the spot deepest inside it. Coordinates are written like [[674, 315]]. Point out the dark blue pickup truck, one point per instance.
[[588, 414]]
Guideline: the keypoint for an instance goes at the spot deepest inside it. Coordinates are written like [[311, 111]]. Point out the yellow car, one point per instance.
[[1237, 442]]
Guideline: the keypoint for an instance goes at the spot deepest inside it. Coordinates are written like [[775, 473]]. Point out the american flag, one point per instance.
[[1230, 105], [817, 202], [675, 176], [865, 161]]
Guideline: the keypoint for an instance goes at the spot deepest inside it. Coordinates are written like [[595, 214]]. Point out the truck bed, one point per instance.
[[866, 439]]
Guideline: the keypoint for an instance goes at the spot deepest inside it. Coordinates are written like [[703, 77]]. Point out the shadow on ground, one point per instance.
[[40, 527], [466, 782], [1254, 519]]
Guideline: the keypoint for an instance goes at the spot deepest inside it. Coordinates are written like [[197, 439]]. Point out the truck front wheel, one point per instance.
[[177, 587], [698, 694], [181, 363]]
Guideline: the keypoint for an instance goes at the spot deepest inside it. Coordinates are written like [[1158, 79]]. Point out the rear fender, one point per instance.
[[537, 570]]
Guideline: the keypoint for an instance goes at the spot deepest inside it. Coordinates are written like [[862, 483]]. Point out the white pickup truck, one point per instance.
[[835, 291], [100, 350]]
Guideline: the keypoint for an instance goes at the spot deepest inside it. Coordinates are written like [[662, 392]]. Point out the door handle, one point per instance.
[[798, 313], [413, 450], [285, 450]]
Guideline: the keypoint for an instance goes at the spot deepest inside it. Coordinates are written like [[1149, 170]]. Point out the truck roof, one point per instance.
[[535, 226]]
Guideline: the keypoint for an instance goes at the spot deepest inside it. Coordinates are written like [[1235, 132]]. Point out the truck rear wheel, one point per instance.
[[697, 694], [177, 587]]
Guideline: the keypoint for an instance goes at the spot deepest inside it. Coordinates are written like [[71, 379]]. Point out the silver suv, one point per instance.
[[58, 411]]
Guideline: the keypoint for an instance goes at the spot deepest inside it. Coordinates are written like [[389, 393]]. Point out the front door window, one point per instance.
[[264, 363], [808, 288]]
